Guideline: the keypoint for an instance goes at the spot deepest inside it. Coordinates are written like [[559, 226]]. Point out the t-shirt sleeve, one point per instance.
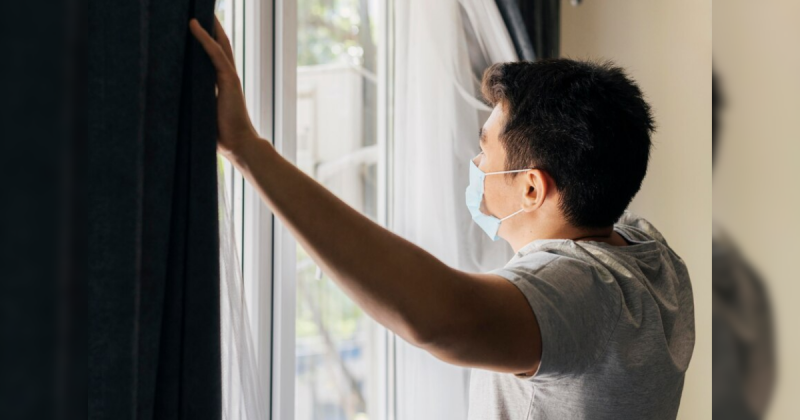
[[576, 305]]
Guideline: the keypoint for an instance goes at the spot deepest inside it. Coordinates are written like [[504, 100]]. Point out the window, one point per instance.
[[338, 373], [315, 83]]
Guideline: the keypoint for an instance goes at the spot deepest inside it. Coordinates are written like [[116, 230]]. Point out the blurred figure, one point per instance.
[[743, 336]]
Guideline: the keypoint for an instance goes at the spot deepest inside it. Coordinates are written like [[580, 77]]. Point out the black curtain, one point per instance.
[[43, 279], [153, 286], [534, 26]]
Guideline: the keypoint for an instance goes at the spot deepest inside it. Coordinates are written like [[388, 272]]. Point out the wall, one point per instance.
[[666, 48], [756, 192]]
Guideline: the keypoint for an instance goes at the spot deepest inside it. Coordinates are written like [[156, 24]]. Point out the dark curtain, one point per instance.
[[534, 26], [153, 286], [512, 17], [43, 279]]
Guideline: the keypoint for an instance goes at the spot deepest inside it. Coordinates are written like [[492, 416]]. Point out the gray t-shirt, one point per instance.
[[617, 327]]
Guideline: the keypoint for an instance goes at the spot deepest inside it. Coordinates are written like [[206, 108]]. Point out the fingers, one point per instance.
[[213, 49], [222, 39]]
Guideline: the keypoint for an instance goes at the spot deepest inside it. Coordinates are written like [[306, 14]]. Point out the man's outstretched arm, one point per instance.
[[467, 319]]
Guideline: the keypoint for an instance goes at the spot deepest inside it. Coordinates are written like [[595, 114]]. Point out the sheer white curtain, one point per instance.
[[243, 395], [441, 50]]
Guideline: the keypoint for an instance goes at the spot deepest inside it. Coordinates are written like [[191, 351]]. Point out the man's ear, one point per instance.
[[535, 188]]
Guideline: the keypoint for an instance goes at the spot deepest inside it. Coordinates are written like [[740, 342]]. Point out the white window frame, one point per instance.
[[268, 70]]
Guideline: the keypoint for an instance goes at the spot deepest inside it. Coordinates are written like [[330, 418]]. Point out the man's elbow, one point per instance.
[[416, 335], [422, 336], [442, 343], [437, 346]]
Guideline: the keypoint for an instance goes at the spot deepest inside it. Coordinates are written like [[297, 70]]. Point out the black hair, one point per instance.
[[584, 123]]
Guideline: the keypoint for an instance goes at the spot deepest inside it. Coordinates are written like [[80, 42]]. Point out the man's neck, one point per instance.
[[567, 231]]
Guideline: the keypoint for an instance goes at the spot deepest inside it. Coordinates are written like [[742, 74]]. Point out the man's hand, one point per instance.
[[234, 127]]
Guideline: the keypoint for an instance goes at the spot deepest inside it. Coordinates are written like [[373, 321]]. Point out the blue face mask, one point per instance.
[[474, 196]]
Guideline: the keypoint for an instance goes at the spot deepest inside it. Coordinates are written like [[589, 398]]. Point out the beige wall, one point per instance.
[[666, 47], [757, 178]]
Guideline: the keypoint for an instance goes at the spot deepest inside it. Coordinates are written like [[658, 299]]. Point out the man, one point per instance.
[[590, 319]]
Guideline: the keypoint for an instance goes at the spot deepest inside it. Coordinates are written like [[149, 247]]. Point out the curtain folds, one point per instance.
[[153, 288], [244, 397], [543, 20], [534, 26], [512, 16]]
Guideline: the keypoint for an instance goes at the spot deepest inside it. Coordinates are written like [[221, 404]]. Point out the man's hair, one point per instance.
[[586, 124]]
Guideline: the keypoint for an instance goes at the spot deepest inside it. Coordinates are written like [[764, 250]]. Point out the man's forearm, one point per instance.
[[397, 283]]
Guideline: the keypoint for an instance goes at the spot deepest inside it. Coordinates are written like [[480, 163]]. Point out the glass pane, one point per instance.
[[337, 371]]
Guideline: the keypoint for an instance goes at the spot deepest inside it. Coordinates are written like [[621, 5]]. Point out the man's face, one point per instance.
[[501, 196]]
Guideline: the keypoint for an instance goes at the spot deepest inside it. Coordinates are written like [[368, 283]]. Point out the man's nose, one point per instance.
[[477, 159]]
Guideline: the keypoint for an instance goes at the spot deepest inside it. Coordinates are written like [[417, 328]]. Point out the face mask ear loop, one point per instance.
[[508, 172], [512, 214]]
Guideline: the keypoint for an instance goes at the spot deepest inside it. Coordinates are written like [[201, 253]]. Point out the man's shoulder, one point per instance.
[[558, 255], [639, 227]]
